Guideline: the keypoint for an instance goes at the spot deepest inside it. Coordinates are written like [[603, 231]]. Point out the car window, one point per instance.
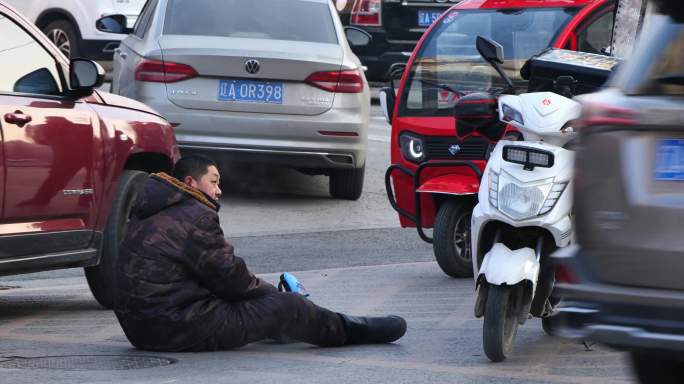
[[596, 35], [25, 66], [448, 63], [297, 20], [142, 25], [659, 69]]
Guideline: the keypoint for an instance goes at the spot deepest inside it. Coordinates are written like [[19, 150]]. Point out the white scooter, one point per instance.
[[523, 213]]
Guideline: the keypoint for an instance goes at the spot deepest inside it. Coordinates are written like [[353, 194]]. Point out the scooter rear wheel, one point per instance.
[[451, 242], [500, 322]]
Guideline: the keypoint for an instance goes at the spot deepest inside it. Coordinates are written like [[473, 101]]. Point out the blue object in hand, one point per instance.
[[289, 283]]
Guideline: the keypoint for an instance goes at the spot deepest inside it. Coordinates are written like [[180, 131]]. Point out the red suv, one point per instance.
[[444, 71], [72, 158]]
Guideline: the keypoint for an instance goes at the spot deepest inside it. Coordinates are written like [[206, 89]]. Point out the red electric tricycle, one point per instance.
[[443, 114]]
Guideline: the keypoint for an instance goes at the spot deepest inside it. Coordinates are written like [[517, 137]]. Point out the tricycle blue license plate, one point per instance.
[[670, 160], [426, 18], [251, 91]]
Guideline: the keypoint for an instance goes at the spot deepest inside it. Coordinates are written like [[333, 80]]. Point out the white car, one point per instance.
[[70, 24], [253, 81]]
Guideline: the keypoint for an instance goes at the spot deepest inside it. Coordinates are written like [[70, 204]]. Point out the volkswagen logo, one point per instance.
[[252, 66], [454, 149]]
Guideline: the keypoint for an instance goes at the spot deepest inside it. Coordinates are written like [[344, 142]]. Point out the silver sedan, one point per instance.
[[252, 81]]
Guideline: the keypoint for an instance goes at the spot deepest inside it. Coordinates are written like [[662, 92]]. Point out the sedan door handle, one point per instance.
[[17, 118], [123, 55]]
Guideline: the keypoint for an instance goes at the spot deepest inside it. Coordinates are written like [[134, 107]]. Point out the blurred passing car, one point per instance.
[[395, 25], [73, 159], [258, 81], [622, 285], [70, 24]]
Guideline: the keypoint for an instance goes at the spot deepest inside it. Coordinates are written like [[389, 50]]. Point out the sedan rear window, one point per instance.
[[297, 20]]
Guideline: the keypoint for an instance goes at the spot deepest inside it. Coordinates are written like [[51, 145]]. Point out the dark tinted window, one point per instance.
[[25, 66], [657, 65], [596, 35], [298, 20], [145, 19]]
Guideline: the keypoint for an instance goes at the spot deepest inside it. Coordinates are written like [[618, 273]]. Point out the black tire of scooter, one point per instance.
[[500, 322], [450, 260]]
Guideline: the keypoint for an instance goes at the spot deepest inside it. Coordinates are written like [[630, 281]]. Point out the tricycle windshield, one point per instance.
[[448, 64]]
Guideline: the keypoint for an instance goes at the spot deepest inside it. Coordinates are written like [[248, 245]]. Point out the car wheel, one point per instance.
[[101, 278], [451, 243], [347, 184], [63, 34], [650, 368]]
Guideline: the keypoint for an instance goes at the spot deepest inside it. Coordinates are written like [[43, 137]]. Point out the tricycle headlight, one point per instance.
[[412, 147]]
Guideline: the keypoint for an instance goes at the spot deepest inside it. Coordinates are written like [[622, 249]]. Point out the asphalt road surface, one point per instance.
[[352, 257]]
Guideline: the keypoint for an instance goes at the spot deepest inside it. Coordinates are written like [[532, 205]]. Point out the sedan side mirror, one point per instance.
[[84, 76], [113, 24], [387, 100], [357, 37]]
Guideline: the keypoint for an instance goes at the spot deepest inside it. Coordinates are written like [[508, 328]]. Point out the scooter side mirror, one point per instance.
[[490, 50], [493, 53], [565, 85]]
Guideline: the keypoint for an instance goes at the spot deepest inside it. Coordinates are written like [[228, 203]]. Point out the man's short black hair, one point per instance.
[[192, 165]]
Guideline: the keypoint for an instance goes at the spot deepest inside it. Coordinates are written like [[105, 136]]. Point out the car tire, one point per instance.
[[347, 184], [652, 368], [454, 260], [101, 278], [64, 35]]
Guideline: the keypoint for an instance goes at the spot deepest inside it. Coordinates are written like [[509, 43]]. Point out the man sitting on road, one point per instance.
[[180, 287]]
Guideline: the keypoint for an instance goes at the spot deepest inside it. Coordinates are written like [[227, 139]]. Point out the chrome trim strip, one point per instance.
[[578, 310], [273, 151]]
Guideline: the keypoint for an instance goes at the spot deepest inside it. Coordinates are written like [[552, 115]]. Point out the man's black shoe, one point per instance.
[[373, 330]]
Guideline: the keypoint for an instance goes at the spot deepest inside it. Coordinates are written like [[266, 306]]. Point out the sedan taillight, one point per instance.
[[163, 71], [337, 81], [367, 12]]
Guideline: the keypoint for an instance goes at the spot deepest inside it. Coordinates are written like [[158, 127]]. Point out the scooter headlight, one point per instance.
[[553, 197], [412, 148], [494, 189], [521, 201]]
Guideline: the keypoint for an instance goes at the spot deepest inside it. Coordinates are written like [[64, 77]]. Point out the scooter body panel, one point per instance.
[[501, 265]]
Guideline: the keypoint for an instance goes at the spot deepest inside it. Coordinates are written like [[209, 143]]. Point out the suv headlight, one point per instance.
[[412, 147], [521, 201]]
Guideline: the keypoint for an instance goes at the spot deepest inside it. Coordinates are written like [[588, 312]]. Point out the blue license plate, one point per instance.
[[426, 18], [251, 91], [670, 160]]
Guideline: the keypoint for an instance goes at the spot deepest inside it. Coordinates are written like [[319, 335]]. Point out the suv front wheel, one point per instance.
[[101, 278]]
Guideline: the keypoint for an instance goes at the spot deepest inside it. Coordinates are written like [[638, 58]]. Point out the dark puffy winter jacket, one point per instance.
[[176, 270]]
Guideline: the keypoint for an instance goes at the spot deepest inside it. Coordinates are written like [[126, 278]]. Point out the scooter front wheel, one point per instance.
[[500, 322], [451, 243]]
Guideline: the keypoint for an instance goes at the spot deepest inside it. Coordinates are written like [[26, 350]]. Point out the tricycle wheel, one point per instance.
[[451, 242], [500, 322]]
